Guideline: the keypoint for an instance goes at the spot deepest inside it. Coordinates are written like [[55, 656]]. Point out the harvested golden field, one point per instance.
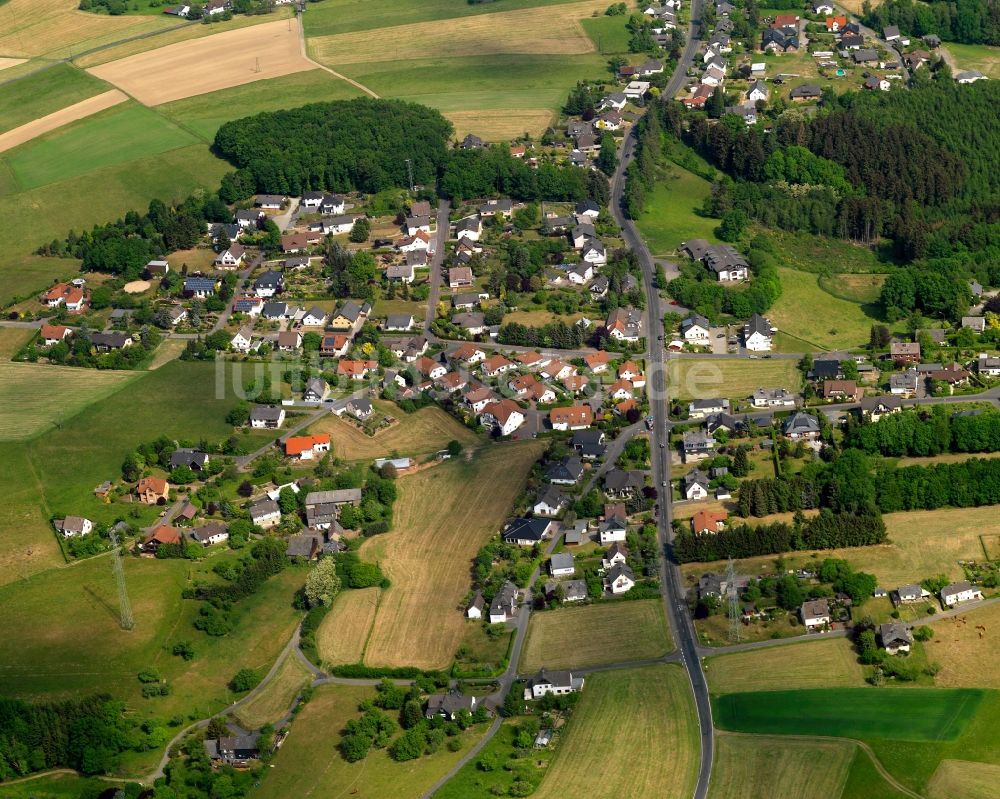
[[343, 633], [525, 31], [964, 646], [962, 779], [786, 667], [237, 57], [595, 635], [500, 124], [276, 699], [84, 108], [442, 517], [421, 433], [7, 63], [57, 28], [634, 733], [34, 396], [761, 765]]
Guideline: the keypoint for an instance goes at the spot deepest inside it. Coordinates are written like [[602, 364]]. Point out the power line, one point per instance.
[[127, 622]]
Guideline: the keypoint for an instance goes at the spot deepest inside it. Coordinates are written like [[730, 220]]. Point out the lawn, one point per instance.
[[309, 764], [976, 56], [595, 635], [865, 782], [842, 324], [124, 133], [344, 631], [62, 637], [757, 765], [786, 667], [636, 728], [443, 516], [896, 714], [608, 34], [690, 378], [44, 92], [423, 432], [962, 644], [168, 176], [35, 397], [205, 113], [961, 778], [276, 699], [672, 212], [862, 288]]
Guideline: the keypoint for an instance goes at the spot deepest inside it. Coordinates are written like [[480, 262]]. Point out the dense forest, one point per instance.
[[966, 21], [361, 144], [922, 433]]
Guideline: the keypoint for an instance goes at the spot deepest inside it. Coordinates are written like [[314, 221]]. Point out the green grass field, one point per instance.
[[842, 324], [325, 19], [204, 114], [672, 208], [786, 667], [823, 255], [43, 93], [690, 378], [608, 34], [634, 728], [864, 781], [58, 786], [897, 714], [124, 133], [31, 274], [597, 634], [976, 56]]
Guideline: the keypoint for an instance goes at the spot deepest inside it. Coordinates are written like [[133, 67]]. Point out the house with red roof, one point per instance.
[[306, 448]]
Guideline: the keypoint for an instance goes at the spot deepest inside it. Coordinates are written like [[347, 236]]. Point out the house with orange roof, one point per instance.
[[531, 360], [541, 393], [624, 407], [65, 294], [522, 385], [835, 24], [452, 381], [575, 383], [621, 390], [53, 334], [558, 370], [597, 362], [574, 417], [504, 415], [305, 448], [478, 398], [430, 368], [496, 365], [356, 370], [335, 345], [631, 372], [162, 535], [706, 522], [469, 353], [153, 490]]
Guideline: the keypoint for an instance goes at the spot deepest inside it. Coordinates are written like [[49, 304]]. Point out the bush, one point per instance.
[[149, 675], [245, 680]]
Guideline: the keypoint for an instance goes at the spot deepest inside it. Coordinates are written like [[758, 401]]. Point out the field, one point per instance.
[[962, 645], [897, 714], [423, 432], [689, 378], [237, 56], [595, 635], [309, 765], [500, 124], [206, 113], [62, 636], [634, 728], [865, 782], [672, 211], [276, 699], [786, 667], [58, 119], [964, 779], [976, 56], [12, 339], [344, 631], [853, 287], [843, 324], [758, 765], [443, 516], [922, 543], [52, 786], [822, 255], [47, 91], [126, 133], [56, 28], [33, 397]]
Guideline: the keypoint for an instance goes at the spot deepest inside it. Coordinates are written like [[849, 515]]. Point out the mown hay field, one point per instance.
[[343, 633], [698, 379], [237, 57], [963, 779], [500, 124], [963, 645], [785, 667], [595, 635], [634, 733], [442, 518], [45, 92], [271, 704], [55, 120]]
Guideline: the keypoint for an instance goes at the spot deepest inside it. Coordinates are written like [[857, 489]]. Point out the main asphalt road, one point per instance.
[[673, 592]]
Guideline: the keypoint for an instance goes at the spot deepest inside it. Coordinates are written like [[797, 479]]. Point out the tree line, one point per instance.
[[921, 433], [965, 21]]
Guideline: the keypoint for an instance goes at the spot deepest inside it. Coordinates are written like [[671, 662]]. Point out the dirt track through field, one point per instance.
[[49, 122], [237, 57]]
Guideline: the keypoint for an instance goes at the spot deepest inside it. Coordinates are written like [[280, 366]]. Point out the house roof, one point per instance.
[[526, 529], [164, 534], [264, 507], [708, 520], [502, 410], [574, 415], [296, 445], [561, 560], [621, 570], [155, 484], [815, 608]]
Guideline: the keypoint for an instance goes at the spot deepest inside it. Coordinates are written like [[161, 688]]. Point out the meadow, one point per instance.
[[976, 56], [791, 666], [443, 516], [12, 339], [965, 779], [343, 633], [672, 211], [50, 122], [895, 714], [121, 134], [206, 113], [962, 644], [309, 764], [634, 728], [44, 92], [843, 324], [690, 378], [274, 702], [595, 635], [421, 433], [865, 782], [757, 765]]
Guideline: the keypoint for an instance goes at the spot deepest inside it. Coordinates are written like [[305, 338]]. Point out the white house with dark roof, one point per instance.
[[557, 683]]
